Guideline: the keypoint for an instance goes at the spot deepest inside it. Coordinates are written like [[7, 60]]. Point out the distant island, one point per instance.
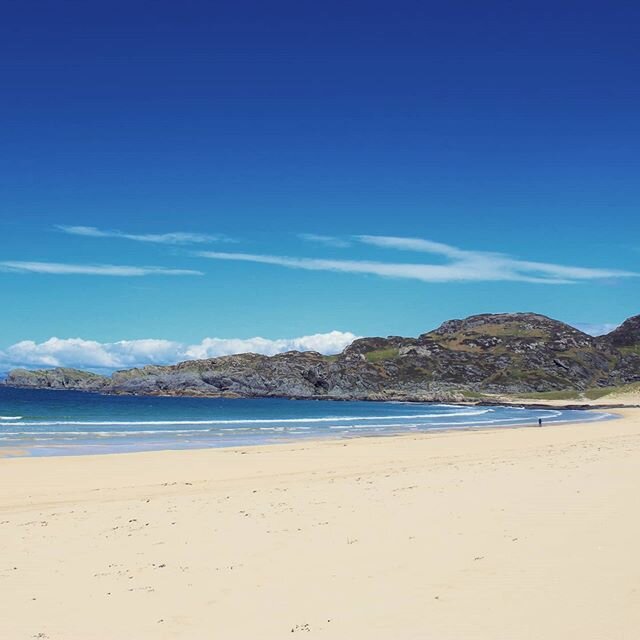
[[519, 353]]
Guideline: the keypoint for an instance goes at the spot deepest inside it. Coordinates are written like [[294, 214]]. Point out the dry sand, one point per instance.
[[504, 534]]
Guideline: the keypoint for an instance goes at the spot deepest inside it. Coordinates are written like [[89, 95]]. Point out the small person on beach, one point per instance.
[[539, 422]]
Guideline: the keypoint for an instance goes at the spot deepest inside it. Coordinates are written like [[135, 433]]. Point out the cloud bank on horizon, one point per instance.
[[109, 356], [462, 265]]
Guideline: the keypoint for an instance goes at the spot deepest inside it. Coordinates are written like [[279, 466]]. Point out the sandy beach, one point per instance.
[[496, 534]]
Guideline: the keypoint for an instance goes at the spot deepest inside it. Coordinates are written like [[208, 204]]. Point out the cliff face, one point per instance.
[[504, 353]]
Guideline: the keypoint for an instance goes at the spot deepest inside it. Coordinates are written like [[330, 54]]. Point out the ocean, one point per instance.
[[46, 423]]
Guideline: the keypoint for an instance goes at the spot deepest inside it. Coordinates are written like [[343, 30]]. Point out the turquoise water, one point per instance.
[[46, 423]]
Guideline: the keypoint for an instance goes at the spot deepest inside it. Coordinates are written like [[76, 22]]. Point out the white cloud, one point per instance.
[[497, 264], [177, 237], [417, 244], [328, 241], [327, 343], [461, 265], [58, 268], [105, 356]]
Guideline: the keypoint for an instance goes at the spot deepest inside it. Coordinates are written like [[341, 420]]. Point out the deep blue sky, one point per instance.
[[506, 127]]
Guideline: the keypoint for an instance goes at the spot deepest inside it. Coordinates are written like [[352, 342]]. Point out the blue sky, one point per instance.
[[298, 145]]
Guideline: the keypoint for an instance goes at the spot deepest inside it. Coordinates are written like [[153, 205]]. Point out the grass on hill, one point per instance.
[[508, 330], [594, 393], [378, 355], [474, 395]]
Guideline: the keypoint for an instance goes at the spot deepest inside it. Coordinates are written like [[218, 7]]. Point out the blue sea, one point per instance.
[[45, 423]]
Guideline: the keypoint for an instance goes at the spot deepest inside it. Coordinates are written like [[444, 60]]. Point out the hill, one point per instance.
[[490, 353]]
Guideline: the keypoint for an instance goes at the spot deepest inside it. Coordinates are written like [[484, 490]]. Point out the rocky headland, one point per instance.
[[484, 354]]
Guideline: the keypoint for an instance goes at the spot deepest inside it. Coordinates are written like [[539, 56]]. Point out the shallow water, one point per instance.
[[44, 423]]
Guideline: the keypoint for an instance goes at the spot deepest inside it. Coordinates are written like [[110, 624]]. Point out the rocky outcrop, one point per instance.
[[59, 378], [626, 336], [500, 353], [625, 340]]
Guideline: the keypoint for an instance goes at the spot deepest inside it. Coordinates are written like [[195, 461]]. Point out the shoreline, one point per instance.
[[23, 452], [27, 451], [488, 534]]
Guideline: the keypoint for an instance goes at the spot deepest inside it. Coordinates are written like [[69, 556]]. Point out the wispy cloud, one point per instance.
[[461, 265], [58, 268], [495, 261], [420, 245], [327, 241], [174, 238], [426, 273], [105, 356]]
